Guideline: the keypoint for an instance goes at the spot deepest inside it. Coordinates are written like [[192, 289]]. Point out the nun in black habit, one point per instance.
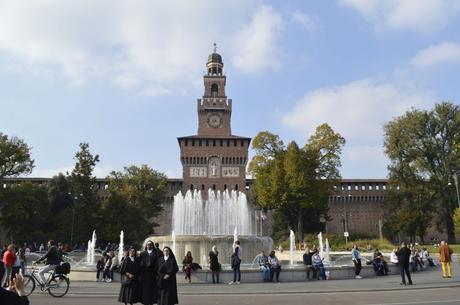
[[148, 264], [129, 271], [167, 278]]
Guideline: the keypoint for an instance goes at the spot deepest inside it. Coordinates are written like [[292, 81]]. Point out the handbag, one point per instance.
[[125, 280]]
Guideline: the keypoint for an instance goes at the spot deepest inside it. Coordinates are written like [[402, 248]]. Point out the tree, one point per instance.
[[15, 157], [136, 196], [59, 193], [296, 182], [25, 212], [86, 205], [423, 148]]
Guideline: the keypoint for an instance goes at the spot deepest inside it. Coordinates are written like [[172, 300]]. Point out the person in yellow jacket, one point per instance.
[[445, 253]]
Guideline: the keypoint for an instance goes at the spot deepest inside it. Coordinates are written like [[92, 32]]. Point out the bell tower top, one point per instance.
[[215, 63]]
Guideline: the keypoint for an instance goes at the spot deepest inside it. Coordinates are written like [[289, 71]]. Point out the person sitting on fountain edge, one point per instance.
[[262, 261], [275, 266]]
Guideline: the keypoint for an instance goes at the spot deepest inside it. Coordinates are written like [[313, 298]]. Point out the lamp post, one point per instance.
[[456, 188]]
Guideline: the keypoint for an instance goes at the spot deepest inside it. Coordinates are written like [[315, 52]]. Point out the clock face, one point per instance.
[[214, 120]]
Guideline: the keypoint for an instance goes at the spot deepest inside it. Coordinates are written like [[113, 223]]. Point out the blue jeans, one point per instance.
[[236, 271], [265, 273]]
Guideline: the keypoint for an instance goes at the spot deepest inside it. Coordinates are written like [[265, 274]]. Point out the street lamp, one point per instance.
[[456, 187]]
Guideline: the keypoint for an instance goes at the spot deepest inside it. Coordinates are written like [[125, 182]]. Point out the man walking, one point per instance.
[[445, 253], [403, 255]]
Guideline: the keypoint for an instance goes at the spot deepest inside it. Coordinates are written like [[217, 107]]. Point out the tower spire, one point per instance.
[[215, 47]]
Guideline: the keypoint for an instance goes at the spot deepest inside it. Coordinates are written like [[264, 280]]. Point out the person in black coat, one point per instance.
[[167, 278], [214, 264], [148, 264], [403, 255], [129, 271]]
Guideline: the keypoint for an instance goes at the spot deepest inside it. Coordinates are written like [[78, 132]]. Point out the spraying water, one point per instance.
[[121, 246], [91, 249], [291, 247], [219, 215], [173, 237], [321, 247], [327, 259]]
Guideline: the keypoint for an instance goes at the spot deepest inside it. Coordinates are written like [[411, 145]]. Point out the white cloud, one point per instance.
[[444, 53], [417, 15], [138, 45], [307, 22], [257, 43], [358, 110]]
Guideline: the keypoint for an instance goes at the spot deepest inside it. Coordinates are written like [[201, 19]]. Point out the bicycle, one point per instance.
[[57, 284]]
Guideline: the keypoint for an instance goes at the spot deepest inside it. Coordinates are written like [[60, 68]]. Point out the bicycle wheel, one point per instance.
[[29, 284], [58, 286]]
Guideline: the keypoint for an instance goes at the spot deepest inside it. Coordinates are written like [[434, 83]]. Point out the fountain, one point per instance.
[[327, 258], [121, 246], [291, 247], [321, 247], [173, 237], [223, 218], [91, 249]]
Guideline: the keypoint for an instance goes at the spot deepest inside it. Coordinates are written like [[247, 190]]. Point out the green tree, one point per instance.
[[136, 196], [423, 148], [296, 182], [59, 193], [85, 209], [25, 212], [15, 157]]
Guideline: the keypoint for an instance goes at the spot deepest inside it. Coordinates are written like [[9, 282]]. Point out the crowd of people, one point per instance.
[[150, 277]]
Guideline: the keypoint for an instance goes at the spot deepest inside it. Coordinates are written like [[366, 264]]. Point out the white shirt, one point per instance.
[[393, 258]]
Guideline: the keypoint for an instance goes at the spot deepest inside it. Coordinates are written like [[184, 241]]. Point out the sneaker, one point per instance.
[[358, 277], [231, 283], [237, 282], [109, 280]]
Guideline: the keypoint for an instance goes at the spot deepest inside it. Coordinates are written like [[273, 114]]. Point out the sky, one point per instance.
[[124, 76]]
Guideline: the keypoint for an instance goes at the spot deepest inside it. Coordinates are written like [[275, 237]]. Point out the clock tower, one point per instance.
[[214, 158]]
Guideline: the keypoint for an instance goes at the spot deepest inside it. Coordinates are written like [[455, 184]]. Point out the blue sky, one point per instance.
[[125, 75]]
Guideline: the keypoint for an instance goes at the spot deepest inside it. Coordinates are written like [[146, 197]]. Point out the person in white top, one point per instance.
[[394, 257]]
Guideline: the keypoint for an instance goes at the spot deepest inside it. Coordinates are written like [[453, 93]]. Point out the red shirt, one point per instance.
[[9, 258]]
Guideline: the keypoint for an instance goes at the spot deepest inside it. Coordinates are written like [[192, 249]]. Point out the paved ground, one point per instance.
[[428, 288]]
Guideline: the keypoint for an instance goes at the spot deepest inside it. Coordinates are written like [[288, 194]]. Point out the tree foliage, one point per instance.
[[25, 212], [136, 195], [296, 181], [15, 158], [423, 148], [85, 208]]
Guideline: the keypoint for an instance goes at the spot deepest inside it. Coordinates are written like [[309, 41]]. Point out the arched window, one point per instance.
[[225, 186], [202, 187], [213, 187], [191, 187], [214, 89], [236, 187]]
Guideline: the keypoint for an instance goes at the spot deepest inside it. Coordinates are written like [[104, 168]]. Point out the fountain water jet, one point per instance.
[[121, 246], [291, 247], [222, 218]]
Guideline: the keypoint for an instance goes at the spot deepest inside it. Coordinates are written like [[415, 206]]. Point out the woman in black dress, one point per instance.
[[167, 278], [129, 271]]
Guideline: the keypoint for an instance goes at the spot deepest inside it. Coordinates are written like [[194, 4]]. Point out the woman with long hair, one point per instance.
[[167, 278], [129, 272], [187, 266]]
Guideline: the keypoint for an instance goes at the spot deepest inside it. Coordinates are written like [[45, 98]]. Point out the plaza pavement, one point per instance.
[[427, 279]]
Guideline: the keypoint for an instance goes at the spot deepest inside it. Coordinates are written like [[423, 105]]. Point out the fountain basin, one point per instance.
[[201, 245]]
